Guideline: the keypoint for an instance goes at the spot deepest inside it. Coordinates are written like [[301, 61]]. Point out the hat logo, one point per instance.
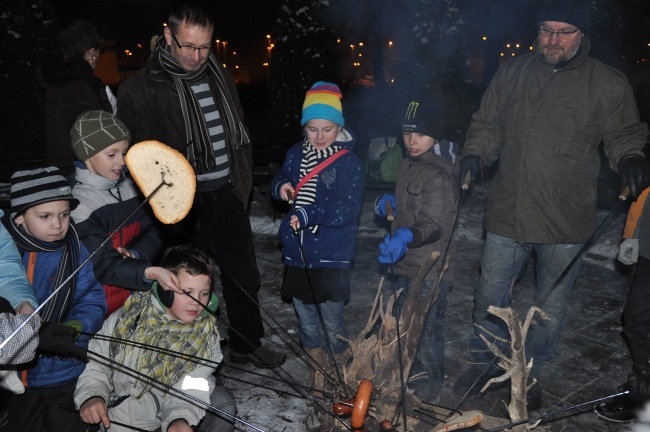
[[411, 110], [65, 190]]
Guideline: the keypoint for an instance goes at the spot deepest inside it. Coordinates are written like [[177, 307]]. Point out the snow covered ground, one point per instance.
[[591, 360]]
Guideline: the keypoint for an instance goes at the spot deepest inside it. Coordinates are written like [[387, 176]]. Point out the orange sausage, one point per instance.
[[361, 404]]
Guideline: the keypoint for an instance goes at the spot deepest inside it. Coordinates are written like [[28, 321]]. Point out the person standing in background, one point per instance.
[[71, 88]]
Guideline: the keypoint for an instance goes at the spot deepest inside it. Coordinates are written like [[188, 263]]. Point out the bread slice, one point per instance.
[[151, 163]]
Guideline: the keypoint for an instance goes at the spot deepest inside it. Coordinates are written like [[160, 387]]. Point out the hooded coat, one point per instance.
[[427, 194], [336, 209], [544, 124]]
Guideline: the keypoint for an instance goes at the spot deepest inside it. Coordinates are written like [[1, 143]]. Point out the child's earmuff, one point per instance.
[[166, 298]]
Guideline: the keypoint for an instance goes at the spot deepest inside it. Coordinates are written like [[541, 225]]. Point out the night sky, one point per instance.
[[244, 24]]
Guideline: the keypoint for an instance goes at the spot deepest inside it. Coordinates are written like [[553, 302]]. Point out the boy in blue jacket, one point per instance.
[[39, 223]]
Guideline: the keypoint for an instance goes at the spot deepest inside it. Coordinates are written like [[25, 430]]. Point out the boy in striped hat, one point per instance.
[[39, 223]]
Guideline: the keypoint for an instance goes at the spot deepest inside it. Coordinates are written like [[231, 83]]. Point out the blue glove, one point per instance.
[[380, 204], [393, 249]]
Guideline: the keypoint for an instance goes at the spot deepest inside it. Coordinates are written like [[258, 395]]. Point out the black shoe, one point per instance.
[[619, 410], [477, 377], [534, 397], [262, 358]]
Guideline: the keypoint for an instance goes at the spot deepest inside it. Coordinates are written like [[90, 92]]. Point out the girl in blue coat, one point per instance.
[[324, 179], [39, 223]]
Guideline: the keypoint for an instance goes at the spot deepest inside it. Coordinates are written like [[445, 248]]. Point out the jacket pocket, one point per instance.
[[575, 135]]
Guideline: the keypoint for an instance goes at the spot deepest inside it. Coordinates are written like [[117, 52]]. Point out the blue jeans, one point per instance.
[[430, 357], [311, 329], [502, 264]]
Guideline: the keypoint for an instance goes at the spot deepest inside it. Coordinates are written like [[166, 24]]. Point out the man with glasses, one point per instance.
[[543, 117], [188, 101]]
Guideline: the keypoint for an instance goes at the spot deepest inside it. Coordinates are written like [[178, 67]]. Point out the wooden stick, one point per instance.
[[290, 196], [389, 211], [466, 181], [624, 193]]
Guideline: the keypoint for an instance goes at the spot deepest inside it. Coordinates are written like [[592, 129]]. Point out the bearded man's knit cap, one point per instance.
[[78, 37], [575, 12], [94, 131], [323, 101], [33, 187]]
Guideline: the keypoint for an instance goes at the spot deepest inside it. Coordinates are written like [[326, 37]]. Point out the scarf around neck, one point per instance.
[[144, 321], [199, 151], [310, 159], [56, 310]]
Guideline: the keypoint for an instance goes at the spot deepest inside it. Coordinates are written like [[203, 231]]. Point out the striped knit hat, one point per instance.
[[42, 185], [94, 131], [323, 101]]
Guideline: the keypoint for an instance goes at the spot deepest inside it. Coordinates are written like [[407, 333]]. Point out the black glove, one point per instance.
[[635, 174], [638, 383], [59, 339], [470, 164]]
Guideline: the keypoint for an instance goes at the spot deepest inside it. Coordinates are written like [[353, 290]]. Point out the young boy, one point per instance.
[[39, 223], [106, 199], [426, 195], [166, 320]]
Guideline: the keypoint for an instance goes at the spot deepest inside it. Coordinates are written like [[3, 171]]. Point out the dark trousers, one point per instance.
[[44, 409], [224, 232], [636, 315]]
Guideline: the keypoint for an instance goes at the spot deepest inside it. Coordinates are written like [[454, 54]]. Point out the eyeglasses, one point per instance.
[[565, 34], [190, 49]]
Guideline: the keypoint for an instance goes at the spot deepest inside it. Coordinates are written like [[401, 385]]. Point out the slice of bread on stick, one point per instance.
[[152, 163]]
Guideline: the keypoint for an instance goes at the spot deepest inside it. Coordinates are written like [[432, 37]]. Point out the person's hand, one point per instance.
[[394, 248], [179, 425], [380, 204], [59, 339], [25, 308], [94, 411], [469, 164], [166, 279], [125, 252], [639, 384], [284, 191], [628, 253], [294, 222], [635, 174]]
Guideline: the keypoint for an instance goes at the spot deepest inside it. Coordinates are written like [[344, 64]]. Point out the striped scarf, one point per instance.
[[310, 158], [143, 321], [199, 150], [56, 309]]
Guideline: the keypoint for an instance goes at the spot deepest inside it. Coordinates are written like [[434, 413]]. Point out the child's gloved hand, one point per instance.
[[380, 204], [628, 254], [394, 248], [59, 339]]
